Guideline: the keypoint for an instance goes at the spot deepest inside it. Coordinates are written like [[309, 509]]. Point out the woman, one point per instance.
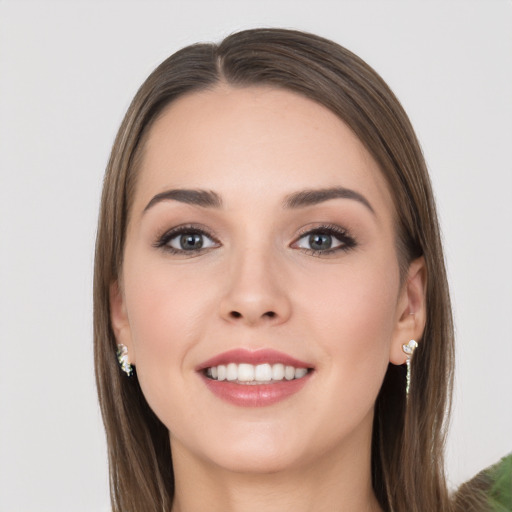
[[268, 259]]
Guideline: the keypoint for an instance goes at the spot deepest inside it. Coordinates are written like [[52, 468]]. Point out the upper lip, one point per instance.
[[254, 357]]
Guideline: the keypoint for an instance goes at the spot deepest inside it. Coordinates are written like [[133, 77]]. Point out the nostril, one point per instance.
[[268, 314]]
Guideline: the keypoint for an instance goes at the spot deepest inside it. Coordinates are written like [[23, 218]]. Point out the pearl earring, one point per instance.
[[409, 349], [122, 359]]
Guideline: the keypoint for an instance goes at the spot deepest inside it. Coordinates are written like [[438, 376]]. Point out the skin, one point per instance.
[[256, 285]]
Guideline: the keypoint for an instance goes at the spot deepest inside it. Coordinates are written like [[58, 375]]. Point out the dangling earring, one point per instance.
[[409, 349], [122, 359]]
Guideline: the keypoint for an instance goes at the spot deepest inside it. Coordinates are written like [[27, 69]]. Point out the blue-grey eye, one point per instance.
[[319, 241], [191, 241]]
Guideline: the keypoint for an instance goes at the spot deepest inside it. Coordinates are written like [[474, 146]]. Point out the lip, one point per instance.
[[260, 395], [242, 355], [255, 395]]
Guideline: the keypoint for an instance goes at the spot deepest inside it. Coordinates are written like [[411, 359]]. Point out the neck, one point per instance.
[[337, 481]]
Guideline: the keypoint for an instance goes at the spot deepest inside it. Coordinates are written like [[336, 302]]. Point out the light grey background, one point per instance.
[[67, 73]]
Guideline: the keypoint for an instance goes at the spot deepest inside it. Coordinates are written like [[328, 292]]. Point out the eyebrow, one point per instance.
[[309, 197], [204, 198], [316, 196]]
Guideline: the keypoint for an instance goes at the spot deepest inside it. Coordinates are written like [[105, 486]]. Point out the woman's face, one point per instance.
[[261, 237]]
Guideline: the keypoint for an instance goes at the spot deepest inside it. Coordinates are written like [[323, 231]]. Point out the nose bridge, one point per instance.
[[255, 289]]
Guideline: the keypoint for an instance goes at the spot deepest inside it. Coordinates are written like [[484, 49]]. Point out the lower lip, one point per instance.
[[255, 395]]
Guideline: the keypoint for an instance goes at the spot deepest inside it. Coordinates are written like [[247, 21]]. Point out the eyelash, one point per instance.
[[337, 232], [188, 229], [340, 234]]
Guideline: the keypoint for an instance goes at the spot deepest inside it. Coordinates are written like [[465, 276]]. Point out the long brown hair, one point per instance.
[[408, 436]]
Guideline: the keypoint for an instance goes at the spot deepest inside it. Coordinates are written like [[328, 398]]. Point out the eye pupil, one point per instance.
[[191, 241], [320, 241]]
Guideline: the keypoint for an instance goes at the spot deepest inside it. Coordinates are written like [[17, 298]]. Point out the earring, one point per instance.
[[409, 349], [122, 359]]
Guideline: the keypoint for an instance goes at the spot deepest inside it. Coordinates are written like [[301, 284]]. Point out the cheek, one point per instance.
[[353, 316], [167, 312], [157, 309], [355, 300]]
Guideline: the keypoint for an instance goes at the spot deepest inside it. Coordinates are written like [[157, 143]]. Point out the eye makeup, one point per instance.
[[190, 240], [186, 240], [328, 239]]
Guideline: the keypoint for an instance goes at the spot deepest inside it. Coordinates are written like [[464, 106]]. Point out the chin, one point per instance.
[[256, 461], [265, 451]]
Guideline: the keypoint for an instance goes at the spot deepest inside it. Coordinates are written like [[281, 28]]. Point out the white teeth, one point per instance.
[[278, 371], [260, 373], [221, 372], [289, 372], [300, 372], [232, 371], [245, 372], [263, 372]]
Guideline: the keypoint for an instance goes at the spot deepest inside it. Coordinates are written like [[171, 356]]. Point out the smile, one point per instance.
[[258, 378], [245, 373]]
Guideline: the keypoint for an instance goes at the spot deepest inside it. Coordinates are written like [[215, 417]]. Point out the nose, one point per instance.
[[256, 291]]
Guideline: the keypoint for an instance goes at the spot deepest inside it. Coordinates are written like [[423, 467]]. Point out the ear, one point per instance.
[[119, 319], [411, 313]]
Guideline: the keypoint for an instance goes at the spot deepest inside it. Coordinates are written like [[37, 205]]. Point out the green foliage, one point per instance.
[[500, 492]]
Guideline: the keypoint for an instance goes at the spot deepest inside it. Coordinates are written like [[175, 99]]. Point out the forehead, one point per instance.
[[255, 142]]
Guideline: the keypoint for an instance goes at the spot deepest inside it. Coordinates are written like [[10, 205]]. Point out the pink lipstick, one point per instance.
[[254, 378]]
